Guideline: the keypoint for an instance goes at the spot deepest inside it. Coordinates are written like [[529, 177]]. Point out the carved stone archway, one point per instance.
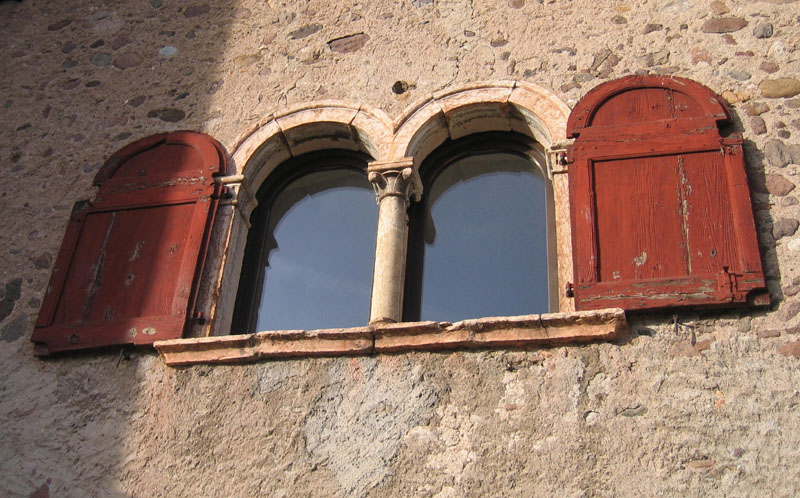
[[397, 148]]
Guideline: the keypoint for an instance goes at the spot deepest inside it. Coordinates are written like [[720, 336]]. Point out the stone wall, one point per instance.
[[704, 407]]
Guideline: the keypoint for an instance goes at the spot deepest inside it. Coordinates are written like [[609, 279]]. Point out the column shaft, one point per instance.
[[387, 280], [395, 185]]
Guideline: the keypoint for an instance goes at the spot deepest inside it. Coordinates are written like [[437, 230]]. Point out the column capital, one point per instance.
[[395, 178]]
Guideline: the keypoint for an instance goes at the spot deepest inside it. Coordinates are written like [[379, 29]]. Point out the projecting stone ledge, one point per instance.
[[502, 331], [262, 345], [483, 333]]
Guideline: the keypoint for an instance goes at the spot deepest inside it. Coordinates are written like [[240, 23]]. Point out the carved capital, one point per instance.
[[397, 179]]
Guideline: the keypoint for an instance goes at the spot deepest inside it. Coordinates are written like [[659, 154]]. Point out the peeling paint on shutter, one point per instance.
[[129, 263], [661, 212]]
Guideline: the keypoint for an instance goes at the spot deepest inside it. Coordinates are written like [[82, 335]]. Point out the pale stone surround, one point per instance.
[[398, 147]]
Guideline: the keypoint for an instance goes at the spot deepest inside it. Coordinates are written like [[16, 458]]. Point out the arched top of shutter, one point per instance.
[[633, 100], [189, 154]]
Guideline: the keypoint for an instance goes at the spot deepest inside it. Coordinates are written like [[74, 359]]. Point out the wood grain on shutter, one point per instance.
[[661, 212], [128, 267]]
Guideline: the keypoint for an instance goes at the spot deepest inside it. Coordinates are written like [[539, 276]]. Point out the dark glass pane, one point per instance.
[[321, 243], [486, 240]]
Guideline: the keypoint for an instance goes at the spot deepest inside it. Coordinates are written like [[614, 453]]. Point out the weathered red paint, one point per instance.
[[661, 212], [130, 261]]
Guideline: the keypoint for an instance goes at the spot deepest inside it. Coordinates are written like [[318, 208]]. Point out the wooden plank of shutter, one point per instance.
[[130, 261], [661, 212]]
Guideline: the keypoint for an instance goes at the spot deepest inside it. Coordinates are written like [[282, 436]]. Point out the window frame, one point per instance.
[[251, 282], [448, 153], [396, 143]]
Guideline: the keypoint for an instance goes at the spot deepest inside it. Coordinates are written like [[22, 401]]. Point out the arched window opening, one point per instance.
[[307, 263], [480, 240]]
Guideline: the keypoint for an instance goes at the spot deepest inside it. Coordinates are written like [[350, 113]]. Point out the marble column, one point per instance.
[[396, 184]]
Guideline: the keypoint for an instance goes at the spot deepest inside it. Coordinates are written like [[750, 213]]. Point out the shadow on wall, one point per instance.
[[83, 79], [761, 185]]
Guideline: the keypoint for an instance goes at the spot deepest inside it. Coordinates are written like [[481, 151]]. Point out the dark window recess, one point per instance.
[[479, 241], [308, 261], [130, 261], [660, 207]]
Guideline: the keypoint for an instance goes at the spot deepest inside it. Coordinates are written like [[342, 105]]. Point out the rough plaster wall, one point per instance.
[[655, 413]]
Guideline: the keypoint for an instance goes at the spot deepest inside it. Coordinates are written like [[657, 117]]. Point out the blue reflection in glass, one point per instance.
[[486, 251], [319, 273]]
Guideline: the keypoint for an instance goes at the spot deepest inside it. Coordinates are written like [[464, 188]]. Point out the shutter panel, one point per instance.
[[660, 208], [130, 261]]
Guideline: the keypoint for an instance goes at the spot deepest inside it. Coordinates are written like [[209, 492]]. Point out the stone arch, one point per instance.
[[497, 106], [494, 106], [488, 106], [296, 130], [309, 127]]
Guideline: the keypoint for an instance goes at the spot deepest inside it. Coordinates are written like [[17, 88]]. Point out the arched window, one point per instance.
[[479, 244], [480, 240], [307, 263]]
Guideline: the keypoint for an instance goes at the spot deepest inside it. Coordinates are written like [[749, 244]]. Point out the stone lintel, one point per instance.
[[266, 345], [513, 331], [482, 333]]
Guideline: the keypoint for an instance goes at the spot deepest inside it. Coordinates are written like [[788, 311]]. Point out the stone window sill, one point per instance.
[[482, 333]]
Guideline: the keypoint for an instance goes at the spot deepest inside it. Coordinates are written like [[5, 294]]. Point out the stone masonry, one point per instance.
[[700, 403]]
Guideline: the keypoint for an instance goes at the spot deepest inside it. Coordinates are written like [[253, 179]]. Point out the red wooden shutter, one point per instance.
[[129, 263], [660, 207]]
